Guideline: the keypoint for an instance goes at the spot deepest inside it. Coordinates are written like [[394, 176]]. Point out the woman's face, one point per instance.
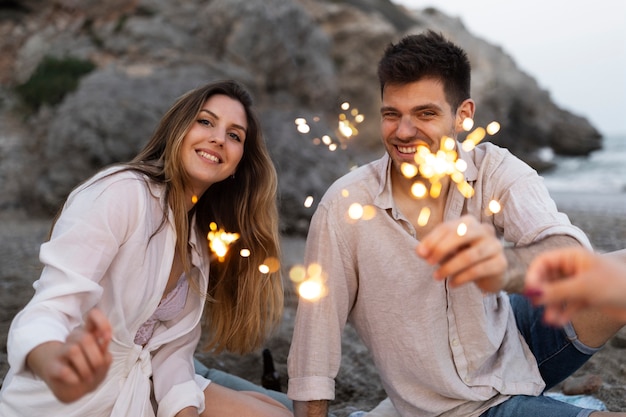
[[213, 147]]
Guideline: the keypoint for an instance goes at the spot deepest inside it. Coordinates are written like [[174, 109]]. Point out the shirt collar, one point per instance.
[[471, 173], [384, 195]]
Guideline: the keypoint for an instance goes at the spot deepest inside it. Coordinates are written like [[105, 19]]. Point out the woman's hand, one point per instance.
[[568, 280], [77, 366]]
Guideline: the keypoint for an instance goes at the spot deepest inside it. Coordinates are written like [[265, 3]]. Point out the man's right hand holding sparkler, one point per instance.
[[469, 251]]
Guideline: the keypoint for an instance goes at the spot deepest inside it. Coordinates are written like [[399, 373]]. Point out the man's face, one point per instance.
[[417, 114]]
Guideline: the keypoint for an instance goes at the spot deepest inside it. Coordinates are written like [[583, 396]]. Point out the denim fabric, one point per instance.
[[239, 384], [527, 406], [559, 353]]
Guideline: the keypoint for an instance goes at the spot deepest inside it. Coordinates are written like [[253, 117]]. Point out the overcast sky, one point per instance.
[[574, 49]]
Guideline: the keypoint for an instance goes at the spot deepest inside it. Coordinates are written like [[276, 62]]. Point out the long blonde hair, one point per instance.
[[243, 304]]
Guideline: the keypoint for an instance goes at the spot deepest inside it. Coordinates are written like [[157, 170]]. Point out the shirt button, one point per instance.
[[455, 342]]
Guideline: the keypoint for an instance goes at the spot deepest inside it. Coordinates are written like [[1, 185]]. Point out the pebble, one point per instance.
[[619, 340]]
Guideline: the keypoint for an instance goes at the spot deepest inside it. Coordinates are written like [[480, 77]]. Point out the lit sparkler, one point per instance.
[[347, 122], [434, 167], [309, 280], [220, 241]]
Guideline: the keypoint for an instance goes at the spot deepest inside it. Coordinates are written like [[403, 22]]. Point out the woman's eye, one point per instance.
[[235, 136], [205, 122]]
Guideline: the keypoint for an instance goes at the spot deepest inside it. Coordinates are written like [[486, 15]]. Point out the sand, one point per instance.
[[602, 217]]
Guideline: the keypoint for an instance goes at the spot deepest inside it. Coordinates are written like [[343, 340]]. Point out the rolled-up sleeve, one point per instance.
[[315, 353], [92, 226]]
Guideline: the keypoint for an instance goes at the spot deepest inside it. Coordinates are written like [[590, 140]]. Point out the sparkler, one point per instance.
[[309, 281], [220, 241], [347, 122], [434, 167], [461, 230]]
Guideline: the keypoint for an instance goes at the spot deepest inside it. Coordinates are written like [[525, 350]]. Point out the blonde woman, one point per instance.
[[128, 281]]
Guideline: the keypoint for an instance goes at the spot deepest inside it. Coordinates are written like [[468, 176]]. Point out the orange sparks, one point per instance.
[[309, 281], [347, 121], [219, 241]]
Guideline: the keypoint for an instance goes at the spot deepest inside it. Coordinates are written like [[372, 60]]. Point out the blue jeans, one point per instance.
[[239, 384], [558, 352]]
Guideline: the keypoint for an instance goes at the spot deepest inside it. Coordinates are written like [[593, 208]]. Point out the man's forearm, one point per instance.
[[519, 258], [317, 408]]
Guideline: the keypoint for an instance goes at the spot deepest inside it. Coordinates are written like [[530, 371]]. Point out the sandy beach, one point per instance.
[[602, 217]]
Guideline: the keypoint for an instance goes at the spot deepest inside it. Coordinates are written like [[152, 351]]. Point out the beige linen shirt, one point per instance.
[[438, 350]]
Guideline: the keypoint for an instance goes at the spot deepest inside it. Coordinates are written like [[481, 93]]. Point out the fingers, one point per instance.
[[558, 276], [466, 251], [99, 326], [83, 353], [554, 265]]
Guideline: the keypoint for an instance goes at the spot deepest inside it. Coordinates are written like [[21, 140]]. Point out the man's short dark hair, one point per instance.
[[427, 55]]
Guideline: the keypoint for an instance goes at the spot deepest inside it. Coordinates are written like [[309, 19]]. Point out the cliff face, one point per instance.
[[299, 58]]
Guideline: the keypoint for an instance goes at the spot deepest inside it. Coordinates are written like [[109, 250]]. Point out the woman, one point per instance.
[[118, 309]]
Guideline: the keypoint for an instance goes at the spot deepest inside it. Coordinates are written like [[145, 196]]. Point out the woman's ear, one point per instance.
[[464, 111]]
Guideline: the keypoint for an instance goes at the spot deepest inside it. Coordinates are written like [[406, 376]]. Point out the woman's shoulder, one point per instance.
[[116, 176], [119, 182]]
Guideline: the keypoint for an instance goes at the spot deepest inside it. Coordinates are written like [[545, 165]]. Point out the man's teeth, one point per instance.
[[407, 149], [208, 156]]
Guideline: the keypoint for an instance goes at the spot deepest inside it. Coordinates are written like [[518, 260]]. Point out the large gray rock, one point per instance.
[[299, 58]]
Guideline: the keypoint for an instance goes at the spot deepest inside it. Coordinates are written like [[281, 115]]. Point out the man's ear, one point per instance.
[[464, 111]]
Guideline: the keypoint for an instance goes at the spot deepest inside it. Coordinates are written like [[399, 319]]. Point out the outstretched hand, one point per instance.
[[77, 366], [466, 251], [568, 280]]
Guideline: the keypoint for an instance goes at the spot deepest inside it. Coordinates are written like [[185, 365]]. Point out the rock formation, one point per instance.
[[299, 58]]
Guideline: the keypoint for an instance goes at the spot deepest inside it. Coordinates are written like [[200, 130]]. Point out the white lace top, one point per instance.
[[168, 308]]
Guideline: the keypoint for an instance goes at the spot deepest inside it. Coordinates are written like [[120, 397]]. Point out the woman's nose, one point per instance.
[[218, 136]]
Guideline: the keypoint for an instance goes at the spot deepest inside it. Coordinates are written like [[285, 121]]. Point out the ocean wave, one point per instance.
[[604, 171]]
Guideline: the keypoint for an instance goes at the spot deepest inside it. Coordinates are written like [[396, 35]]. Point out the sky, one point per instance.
[[574, 49]]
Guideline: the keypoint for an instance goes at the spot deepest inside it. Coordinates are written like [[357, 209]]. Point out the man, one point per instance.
[[426, 299]]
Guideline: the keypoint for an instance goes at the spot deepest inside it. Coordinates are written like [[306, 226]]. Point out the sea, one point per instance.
[[597, 181]]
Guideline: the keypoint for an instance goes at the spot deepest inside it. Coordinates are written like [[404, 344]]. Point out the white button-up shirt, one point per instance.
[[109, 249]]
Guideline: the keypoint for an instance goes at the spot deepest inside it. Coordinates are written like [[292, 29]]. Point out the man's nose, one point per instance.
[[406, 128]]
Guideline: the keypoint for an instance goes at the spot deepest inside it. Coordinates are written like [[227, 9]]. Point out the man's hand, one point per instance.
[[466, 251], [78, 366]]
